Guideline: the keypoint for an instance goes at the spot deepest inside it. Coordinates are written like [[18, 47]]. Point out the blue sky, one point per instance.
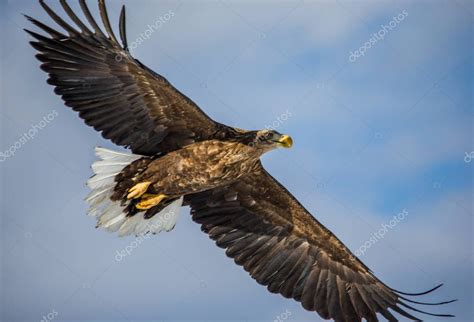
[[385, 133]]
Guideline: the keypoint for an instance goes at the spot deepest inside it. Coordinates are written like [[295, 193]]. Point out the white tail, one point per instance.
[[110, 214]]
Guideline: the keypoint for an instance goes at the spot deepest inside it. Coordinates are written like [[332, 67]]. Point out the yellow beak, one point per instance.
[[286, 141]]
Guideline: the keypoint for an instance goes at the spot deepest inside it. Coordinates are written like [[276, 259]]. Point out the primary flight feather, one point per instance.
[[182, 157]]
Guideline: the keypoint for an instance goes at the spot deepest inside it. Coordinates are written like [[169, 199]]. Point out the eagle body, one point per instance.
[[197, 167], [180, 156]]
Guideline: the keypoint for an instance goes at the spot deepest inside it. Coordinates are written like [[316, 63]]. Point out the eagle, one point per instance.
[[181, 157]]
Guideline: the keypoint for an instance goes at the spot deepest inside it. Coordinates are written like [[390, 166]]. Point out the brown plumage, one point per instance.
[[180, 154], [194, 168]]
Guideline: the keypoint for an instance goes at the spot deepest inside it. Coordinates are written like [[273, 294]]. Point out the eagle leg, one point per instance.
[[150, 200], [138, 190]]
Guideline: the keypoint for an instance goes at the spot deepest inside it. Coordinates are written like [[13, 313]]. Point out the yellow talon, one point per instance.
[[149, 201], [138, 190]]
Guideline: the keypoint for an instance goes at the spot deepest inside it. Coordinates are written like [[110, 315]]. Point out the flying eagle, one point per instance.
[[181, 157]]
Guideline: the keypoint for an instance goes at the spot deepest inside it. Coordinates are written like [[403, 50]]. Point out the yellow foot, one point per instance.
[[149, 201], [138, 190]]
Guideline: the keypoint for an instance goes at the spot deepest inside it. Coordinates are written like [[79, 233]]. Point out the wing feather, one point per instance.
[[267, 231], [126, 101], [75, 18]]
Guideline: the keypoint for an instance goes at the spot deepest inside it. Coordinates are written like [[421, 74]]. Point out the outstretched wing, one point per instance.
[[267, 231], [113, 92]]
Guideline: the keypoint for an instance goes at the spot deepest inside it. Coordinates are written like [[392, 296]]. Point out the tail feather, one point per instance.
[[108, 167], [112, 214], [106, 154], [97, 196], [101, 180]]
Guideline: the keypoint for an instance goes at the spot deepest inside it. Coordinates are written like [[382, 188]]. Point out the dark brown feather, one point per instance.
[[267, 231], [157, 118], [259, 223]]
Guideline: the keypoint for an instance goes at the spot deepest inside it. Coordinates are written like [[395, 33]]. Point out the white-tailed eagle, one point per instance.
[[182, 157]]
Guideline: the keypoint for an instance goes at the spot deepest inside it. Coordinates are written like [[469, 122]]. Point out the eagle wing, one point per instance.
[[282, 246], [113, 92]]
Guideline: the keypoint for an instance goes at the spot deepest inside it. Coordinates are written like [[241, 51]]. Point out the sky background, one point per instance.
[[388, 132]]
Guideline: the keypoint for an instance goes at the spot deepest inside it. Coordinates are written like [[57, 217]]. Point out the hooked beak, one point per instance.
[[285, 141]]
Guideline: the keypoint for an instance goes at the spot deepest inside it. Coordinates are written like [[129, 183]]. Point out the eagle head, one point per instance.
[[271, 139]]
